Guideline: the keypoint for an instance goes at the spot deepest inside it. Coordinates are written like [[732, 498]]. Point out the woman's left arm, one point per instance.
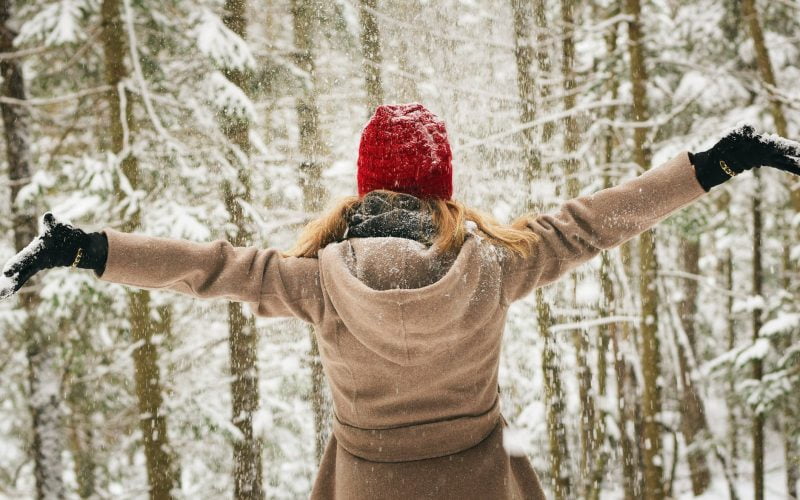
[[584, 226], [274, 285]]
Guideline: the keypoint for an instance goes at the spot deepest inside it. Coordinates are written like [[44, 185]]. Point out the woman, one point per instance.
[[408, 291]]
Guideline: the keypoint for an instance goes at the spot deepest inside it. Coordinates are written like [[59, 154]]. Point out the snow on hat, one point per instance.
[[404, 148]]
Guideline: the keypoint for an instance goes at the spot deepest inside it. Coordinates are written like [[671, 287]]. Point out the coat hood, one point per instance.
[[404, 301]]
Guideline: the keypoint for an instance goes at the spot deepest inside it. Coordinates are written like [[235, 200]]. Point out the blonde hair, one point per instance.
[[449, 217]]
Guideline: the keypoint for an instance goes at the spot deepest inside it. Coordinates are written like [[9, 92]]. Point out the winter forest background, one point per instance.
[[667, 368]]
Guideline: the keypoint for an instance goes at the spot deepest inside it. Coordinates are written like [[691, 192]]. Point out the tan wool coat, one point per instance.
[[410, 341]]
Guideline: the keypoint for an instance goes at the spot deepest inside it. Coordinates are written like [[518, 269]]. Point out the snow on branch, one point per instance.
[[541, 121], [223, 46], [704, 281], [656, 122], [19, 54], [784, 323], [584, 325], [55, 24], [137, 70], [44, 101], [229, 98]]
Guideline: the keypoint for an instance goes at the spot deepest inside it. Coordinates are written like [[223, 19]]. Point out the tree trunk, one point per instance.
[[243, 339], [693, 417], [44, 371], [555, 402], [767, 74], [403, 54], [371, 50], [791, 453], [161, 470], [608, 333], [526, 87], [764, 63], [44, 379], [758, 369], [630, 404], [600, 457], [731, 397], [153, 422], [625, 408], [81, 438], [733, 420], [750, 15], [588, 419], [543, 59], [787, 420], [651, 358], [553, 392], [571, 132], [314, 194]]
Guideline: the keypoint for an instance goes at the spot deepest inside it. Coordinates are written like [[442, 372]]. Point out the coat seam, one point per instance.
[[338, 323]]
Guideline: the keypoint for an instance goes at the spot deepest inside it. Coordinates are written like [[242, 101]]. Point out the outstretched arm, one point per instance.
[[589, 224], [584, 226], [280, 286], [275, 285]]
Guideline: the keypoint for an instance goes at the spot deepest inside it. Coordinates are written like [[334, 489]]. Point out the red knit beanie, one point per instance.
[[404, 148]]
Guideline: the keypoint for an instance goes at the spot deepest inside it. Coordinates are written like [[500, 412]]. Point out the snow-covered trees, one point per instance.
[[41, 349], [239, 120]]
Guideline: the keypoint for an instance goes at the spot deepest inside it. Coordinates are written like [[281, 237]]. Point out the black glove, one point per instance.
[[58, 245], [742, 150]]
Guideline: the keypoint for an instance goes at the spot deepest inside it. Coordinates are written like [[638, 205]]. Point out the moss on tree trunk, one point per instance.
[[371, 50], [243, 339], [314, 194], [162, 472], [648, 291]]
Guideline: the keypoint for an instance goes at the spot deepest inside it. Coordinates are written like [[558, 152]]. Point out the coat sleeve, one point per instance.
[[274, 285], [584, 226]]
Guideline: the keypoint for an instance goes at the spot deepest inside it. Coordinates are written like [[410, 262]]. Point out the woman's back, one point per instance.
[[403, 356], [410, 342]]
